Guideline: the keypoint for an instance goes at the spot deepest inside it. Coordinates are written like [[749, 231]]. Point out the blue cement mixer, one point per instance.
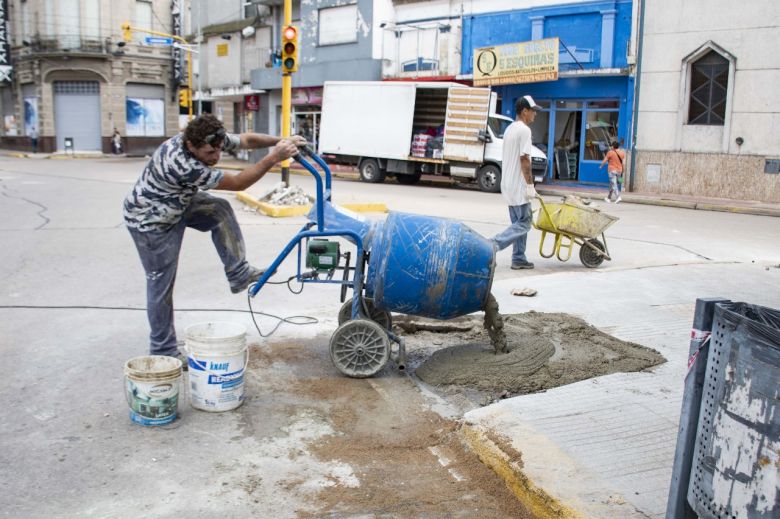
[[410, 264]]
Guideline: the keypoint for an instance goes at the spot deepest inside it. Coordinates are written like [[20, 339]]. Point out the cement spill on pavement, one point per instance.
[[545, 350]]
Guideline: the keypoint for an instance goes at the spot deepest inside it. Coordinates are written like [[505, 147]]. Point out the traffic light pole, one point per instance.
[[286, 98]]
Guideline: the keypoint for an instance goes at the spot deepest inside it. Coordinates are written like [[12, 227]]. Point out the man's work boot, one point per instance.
[[183, 358], [522, 265], [253, 277]]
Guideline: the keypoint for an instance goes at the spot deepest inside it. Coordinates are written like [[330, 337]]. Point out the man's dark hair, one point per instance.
[[521, 104], [615, 144], [200, 128]]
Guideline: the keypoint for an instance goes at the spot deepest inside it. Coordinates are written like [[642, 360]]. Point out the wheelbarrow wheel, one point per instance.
[[359, 348], [381, 317], [589, 257]]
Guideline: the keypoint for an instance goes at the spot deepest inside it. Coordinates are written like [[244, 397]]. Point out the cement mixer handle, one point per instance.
[[309, 152]]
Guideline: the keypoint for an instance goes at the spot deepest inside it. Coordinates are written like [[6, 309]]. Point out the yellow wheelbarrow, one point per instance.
[[573, 222]]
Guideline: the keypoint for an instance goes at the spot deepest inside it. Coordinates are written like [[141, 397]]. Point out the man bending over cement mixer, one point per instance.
[[517, 182], [168, 197]]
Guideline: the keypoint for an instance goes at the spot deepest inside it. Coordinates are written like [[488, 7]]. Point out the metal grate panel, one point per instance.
[[76, 87], [736, 455]]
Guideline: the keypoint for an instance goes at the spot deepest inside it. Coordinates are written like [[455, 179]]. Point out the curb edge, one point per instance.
[[534, 498]]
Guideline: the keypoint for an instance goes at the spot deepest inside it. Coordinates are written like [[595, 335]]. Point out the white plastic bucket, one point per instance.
[[217, 357], [152, 384]]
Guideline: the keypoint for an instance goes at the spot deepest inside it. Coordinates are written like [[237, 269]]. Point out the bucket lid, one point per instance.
[[153, 367], [215, 332]]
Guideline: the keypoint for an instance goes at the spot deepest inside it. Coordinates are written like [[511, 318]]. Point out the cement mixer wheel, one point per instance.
[[381, 317], [359, 348]]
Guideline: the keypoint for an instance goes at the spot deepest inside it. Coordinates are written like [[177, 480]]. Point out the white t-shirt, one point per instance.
[[517, 142]]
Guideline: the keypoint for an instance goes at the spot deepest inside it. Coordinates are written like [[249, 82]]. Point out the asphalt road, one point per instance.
[[307, 442]]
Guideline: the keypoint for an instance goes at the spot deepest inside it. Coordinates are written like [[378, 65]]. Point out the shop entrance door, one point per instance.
[[77, 115], [600, 130], [566, 143]]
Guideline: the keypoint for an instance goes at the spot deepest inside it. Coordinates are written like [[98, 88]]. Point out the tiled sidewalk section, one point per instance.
[[616, 433]]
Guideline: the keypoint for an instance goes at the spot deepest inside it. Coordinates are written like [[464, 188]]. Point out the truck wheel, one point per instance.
[[370, 171], [408, 180], [489, 178]]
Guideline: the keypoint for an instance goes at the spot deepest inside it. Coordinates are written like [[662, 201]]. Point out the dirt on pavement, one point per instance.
[[407, 460]]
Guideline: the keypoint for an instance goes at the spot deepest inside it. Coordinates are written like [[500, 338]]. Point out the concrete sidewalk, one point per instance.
[[604, 447], [668, 200]]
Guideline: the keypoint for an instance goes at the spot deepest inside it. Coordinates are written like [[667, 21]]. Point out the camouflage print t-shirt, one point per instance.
[[169, 181]]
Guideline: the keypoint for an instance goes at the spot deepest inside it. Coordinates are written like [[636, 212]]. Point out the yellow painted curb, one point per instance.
[[365, 208], [535, 499], [17, 154], [278, 211]]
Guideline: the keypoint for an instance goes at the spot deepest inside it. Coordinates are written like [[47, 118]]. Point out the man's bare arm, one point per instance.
[[525, 166], [257, 140], [261, 140], [238, 182]]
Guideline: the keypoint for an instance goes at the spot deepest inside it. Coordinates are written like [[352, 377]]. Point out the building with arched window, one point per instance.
[[68, 77], [708, 110]]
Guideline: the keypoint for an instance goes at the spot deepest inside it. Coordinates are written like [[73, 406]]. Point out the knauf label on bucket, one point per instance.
[[152, 386], [217, 357]]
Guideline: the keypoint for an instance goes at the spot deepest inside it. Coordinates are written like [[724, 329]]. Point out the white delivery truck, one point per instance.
[[385, 127]]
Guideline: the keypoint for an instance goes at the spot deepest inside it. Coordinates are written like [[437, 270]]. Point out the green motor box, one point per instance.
[[322, 255]]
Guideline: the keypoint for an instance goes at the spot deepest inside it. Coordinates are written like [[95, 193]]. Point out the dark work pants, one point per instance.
[[159, 252]]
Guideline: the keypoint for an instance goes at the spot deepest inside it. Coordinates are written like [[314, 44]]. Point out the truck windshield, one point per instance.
[[498, 126]]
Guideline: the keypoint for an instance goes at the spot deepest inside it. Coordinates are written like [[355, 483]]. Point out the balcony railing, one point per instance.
[[67, 43]]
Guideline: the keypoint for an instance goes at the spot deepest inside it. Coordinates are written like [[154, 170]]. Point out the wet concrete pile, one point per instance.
[[538, 351]]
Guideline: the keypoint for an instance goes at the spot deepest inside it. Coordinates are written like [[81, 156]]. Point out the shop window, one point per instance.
[[338, 25], [600, 132], [708, 90], [145, 110], [609, 103], [568, 105]]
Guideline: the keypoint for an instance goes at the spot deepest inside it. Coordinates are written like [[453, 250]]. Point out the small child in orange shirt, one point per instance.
[[615, 158]]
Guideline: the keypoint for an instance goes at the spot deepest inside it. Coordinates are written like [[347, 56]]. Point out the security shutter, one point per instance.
[[77, 114]]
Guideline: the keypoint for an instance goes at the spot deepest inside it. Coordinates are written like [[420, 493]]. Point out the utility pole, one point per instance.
[[199, 38], [286, 92]]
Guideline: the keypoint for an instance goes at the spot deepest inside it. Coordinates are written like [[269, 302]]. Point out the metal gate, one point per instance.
[[77, 114]]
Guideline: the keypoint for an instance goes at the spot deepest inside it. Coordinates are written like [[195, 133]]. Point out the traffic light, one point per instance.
[[184, 97], [289, 49], [126, 32]]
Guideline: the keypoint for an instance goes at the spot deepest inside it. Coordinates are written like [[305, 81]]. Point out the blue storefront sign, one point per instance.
[[590, 103]]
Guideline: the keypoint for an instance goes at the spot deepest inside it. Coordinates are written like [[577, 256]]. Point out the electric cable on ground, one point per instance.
[[297, 320]]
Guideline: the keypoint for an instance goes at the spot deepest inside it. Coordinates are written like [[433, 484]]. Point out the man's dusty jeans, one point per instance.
[[517, 233], [159, 252]]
